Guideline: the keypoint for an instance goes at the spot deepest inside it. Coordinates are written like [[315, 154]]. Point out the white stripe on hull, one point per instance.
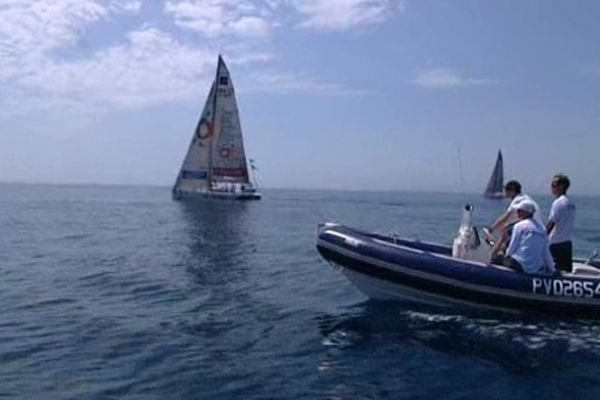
[[379, 289]]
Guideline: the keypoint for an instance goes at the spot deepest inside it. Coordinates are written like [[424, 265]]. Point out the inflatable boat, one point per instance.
[[387, 267]]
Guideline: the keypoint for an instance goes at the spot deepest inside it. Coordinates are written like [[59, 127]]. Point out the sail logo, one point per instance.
[[230, 172], [225, 152], [206, 129], [194, 175]]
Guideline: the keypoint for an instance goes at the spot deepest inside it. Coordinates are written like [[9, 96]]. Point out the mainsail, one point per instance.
[[494, 186], [227, 157], [216, 152]]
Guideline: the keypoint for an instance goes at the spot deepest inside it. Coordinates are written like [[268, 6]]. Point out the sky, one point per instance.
[[335, 94]]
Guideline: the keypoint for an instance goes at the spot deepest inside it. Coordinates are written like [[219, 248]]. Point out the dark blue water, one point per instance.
[[119, 292]]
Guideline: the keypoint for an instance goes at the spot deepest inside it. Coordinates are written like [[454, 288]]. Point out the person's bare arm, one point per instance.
[[549, 226], [501, 221], [500, 244]]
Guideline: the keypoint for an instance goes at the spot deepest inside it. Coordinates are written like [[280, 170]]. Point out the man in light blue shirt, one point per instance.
[[528, 250]]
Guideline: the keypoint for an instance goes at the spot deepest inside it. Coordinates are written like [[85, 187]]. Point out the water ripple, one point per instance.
[[116, 292]]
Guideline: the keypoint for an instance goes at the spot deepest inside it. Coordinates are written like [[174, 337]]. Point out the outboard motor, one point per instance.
[[467, 244], [464, 236]]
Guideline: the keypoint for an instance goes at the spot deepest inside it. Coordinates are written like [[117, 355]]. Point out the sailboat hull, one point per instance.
[[236, 196]]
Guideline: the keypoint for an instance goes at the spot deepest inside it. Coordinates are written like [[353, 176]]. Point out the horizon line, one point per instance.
[[328, 189]]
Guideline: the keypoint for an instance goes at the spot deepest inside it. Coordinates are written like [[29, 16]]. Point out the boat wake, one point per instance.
[[513, 343]]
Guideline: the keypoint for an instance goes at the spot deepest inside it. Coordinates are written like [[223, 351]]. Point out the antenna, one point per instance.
[[592, 258], [460, 171]]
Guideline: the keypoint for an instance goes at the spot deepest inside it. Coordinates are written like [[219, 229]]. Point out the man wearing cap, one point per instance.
[[528, 250], [560, 224]]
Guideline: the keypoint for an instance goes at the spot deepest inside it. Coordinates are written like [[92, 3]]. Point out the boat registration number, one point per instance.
[[566, 288]]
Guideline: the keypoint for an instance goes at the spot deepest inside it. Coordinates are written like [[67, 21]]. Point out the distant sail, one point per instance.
[[495, 185]]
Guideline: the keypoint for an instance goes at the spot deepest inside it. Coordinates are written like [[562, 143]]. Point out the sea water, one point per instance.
[[120, 292]]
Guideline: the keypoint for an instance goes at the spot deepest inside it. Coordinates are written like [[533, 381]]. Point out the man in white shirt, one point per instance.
[[512, 190], [560, 224], [528, 250]]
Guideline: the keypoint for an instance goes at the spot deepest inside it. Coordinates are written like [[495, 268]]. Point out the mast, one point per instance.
[[214, 118]]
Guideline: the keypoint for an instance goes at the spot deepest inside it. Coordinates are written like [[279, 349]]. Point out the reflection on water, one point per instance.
[[215, 232], [214, 220]]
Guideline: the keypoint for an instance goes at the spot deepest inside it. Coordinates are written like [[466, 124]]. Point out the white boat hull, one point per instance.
[[388, 291]]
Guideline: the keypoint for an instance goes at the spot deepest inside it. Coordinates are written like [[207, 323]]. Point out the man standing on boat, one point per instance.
[[560, 224], [528, 250]]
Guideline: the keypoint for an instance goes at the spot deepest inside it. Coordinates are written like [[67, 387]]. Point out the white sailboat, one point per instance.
[[215, 165], [495, 186]]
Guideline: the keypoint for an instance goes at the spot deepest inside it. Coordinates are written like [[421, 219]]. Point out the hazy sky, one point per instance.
[[344, 94]]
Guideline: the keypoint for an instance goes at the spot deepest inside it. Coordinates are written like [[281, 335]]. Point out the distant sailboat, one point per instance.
[[495, 185], [215, 164]]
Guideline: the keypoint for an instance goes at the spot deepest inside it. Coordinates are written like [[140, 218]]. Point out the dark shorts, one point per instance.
[[509, 262], [562, 253]]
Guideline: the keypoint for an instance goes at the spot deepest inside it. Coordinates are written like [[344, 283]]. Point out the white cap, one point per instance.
[[526, 206]]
